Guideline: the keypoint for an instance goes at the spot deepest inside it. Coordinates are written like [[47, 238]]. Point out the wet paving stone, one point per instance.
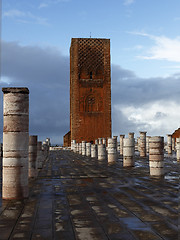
[[76, 197]]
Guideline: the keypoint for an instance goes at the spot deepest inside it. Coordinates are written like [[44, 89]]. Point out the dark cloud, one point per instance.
[[34, 65], [127, 88], [45, 71]]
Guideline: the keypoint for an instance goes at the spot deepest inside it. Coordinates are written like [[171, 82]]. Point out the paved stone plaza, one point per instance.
[[76, 197]]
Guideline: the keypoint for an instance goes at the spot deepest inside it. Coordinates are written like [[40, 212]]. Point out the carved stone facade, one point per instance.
[[90, 89]]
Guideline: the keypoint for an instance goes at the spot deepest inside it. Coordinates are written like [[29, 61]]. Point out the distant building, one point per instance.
[[90, 90], [176, 133], [67, 139]]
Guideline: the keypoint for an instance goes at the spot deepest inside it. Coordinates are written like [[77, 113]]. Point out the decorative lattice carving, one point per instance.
[[91, 55]]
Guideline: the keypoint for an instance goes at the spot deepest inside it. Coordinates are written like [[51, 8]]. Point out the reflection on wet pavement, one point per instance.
[[76, 197]]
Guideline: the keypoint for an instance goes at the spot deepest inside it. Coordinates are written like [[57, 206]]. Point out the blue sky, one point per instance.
[[138, 29], [145, 47]]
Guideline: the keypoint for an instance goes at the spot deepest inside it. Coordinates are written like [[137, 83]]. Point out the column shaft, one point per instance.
[[15, 143]]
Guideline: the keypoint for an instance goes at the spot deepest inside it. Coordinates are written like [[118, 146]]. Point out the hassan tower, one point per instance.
[[90, 90]]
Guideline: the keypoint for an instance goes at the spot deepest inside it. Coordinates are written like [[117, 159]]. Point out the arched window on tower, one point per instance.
[[90, 104]]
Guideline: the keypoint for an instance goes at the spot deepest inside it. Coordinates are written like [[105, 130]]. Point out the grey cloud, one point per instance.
[[128, 89], [159, 115], [45, 71], [32, 64], [122, 125]]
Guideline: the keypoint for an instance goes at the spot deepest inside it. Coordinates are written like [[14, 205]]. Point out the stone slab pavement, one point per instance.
[[77, 197]]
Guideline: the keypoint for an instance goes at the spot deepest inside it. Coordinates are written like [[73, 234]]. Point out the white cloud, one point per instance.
[[25, 17], [5, 80], [150, 104], [159, 117], [49, 2], [128, 2], [14, 13], [38, 20], [172, 67], [136, 47], [43, 5], [164, 48]]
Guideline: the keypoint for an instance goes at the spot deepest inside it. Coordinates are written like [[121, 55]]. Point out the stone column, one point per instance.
[[173, 144], [45, 150], [138, 143], [121, 144], [84, 148], [32, 156], [147, 144], [80, 148], [15, 143], [104, 141], [178, 149], [115, 139], [128, 152], [118, 147], [39, 155], [100, 141], [77, 148], [131, 135], [96, 141], [1, 155], [142, 144], [101, 152], [73, 143], [88, 149], [112, 150], [94, 151], [74, 147], [48, 142], [1, 147], [156, 156], [169, 143]]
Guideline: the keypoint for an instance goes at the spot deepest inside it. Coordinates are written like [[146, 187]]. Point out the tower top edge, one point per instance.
[[78, 39]]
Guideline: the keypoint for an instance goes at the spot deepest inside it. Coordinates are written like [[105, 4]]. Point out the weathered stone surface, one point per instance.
[[128, 152], [121, 143], [32, 156], [142, 144], [75, 197], [15, 143], [112, 150], [169, 143], [156, 156]]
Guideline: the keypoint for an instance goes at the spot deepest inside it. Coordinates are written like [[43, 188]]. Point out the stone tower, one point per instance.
[[90, 89]]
